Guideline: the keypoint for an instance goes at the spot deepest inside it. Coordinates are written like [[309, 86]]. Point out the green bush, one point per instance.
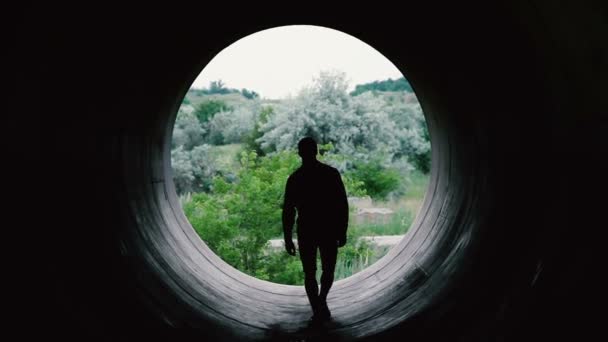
[[207, 109], [237, 219], [378, 180], [251, 141]]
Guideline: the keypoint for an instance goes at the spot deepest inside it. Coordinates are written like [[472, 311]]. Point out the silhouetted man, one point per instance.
[[316, 191]]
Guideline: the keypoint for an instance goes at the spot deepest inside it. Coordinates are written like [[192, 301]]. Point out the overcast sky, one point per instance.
[[278, 62]]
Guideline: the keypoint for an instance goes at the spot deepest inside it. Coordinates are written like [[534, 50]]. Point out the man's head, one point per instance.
[[307, 149]]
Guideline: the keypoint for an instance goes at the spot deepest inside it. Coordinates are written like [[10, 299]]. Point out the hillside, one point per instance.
[[400, 84]]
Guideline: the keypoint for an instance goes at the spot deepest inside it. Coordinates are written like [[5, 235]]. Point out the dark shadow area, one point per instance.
[[506, 245], [321, 332]]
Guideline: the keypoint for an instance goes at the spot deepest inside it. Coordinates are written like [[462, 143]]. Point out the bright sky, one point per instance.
[[280, 61]]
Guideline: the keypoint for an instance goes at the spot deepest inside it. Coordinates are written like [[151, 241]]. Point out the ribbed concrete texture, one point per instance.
[[502, 248]]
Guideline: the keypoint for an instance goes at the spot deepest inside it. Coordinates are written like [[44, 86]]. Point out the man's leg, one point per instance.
[[308, 255], [329, 255]]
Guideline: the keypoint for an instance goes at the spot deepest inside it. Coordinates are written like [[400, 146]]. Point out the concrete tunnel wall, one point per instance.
[[500, 250]]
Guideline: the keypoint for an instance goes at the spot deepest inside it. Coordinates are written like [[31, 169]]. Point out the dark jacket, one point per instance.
[[317, 193]]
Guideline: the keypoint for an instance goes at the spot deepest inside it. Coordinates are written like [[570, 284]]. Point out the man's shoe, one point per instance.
[[324, 313], [315, 320]]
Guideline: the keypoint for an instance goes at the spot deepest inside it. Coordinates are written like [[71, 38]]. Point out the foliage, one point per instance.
[[218, 87], [356, 255], [229, 127], [232, 194], [378, 180], [192, 170], [415, 140], [187, 131], [400, 84], [416, 184], [183, 173], [236, 219], [321, 111], [398, 225], [390, 125], [251, 141], [359, 127], [207, 109], [250, 94]]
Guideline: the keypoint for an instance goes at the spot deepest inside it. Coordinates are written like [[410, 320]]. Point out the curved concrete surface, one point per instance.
[[510, 95]]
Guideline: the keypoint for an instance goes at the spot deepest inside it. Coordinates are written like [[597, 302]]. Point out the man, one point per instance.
[[316, 191]]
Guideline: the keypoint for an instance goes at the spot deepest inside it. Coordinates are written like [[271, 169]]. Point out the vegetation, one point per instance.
[[217, 87], [400, 84], [206, 110], [378, 180], [233, 152]]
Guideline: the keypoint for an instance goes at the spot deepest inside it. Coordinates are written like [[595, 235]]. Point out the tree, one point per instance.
[[250, 94], [187, 130], [217, 87], [251, 140], [400, 84], [229, 127], [192, 170], [242, 216], [414, 142], [357, 127], [208, 108], [183, 173], [379, 181]]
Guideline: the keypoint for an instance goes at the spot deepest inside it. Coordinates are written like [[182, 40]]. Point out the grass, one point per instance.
[[226, 157], [399, 225], [415, 188], [405, 208], [346, 267]]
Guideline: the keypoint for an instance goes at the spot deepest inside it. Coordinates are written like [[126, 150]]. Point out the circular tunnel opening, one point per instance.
[[191, 286], [235, 135]]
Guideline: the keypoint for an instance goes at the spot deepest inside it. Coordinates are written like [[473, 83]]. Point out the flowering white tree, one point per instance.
[[190, 159], [187, 131], [384, 128], [359, 127], [193, 170], [229, 127], [414, 137]]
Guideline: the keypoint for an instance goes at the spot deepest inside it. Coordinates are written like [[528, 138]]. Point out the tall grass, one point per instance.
[[405, 209], [185, 199], [345, 267], [398, 225], [416, 185]]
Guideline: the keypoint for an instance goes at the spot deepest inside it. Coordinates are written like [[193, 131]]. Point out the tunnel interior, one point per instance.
[[506, 95], [363, 304]]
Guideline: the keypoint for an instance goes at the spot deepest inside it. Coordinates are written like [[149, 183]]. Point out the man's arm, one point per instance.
[[289, 213], [342, 211]]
